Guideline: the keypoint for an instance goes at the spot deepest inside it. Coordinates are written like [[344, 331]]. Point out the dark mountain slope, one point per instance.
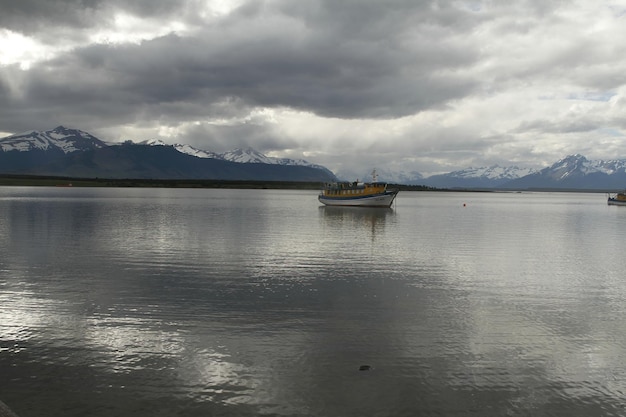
[[165, 162]]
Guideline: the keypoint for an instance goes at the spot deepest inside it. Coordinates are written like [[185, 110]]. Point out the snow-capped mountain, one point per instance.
[[74, 153], [576, 172], [252, 156], [71, 140], [246, 155], [58, 139], [571, 172], [494, 172], [183, 148], [576, 165], [199, 153], [484, 177]]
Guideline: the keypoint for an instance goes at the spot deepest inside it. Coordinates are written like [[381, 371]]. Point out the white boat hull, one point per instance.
[[377, 200]]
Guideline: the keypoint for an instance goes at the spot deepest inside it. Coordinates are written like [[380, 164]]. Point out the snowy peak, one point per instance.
[[484, 177], [494, 172], [247, 155], [154, 142], [190, 150], [577, 165], [252, 156], [570, 165], [59, 138], [182, 148], [577, 172]]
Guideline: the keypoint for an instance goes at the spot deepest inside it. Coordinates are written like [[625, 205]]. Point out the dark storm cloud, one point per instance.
[[28, 16], [42, 16], [336, 60], [349, 59]]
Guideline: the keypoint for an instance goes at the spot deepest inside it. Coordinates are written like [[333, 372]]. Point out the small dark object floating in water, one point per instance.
[[364, 368]]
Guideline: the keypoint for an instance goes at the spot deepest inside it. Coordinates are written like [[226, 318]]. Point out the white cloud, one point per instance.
[[421, 86]]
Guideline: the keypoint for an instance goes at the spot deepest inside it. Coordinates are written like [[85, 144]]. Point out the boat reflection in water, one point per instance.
[[355, 220]]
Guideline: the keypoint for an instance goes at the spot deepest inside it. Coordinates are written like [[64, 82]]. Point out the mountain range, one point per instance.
[[75, 153], [574, 172], [484, 177]]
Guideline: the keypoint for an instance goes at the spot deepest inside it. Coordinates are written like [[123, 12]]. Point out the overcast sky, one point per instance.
[[414, 85]]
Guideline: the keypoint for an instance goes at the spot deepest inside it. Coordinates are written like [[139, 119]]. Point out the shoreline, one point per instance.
[[52, 181]]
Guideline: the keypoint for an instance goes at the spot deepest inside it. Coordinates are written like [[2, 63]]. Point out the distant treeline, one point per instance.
[[47, 181]]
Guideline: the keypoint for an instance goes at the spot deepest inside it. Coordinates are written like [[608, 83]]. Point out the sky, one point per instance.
[[402, 85]]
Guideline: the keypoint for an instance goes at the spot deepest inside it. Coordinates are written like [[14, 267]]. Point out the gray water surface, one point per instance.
[[166, 302]]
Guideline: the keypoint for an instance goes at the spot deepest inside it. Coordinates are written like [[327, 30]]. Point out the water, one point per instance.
[[164, 302]]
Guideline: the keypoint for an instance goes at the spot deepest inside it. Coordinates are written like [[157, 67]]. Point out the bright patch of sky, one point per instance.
[[127, 28], [20, 49]]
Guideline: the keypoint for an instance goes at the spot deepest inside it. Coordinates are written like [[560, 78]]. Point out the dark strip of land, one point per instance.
[[46, 181]]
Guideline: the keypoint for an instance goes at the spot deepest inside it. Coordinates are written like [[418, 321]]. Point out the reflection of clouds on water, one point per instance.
[[132, 345], [22, 317], [204, 373], [128, 344], [271, 308], [211, 376], [536, 363]]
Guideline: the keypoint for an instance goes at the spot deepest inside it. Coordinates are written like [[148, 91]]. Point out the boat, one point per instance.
[[617, 199], [358, 194]]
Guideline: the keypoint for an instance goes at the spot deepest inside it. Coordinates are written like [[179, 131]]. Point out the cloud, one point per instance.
[[422, 85], [263, 59], [77, 17]]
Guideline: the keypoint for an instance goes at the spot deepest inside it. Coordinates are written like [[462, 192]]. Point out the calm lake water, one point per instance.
[[164, 302]]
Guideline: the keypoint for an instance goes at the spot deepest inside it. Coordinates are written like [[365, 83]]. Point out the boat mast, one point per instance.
[[374, 175]]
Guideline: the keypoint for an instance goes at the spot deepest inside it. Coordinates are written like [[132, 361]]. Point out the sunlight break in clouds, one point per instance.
[[19, 49]]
